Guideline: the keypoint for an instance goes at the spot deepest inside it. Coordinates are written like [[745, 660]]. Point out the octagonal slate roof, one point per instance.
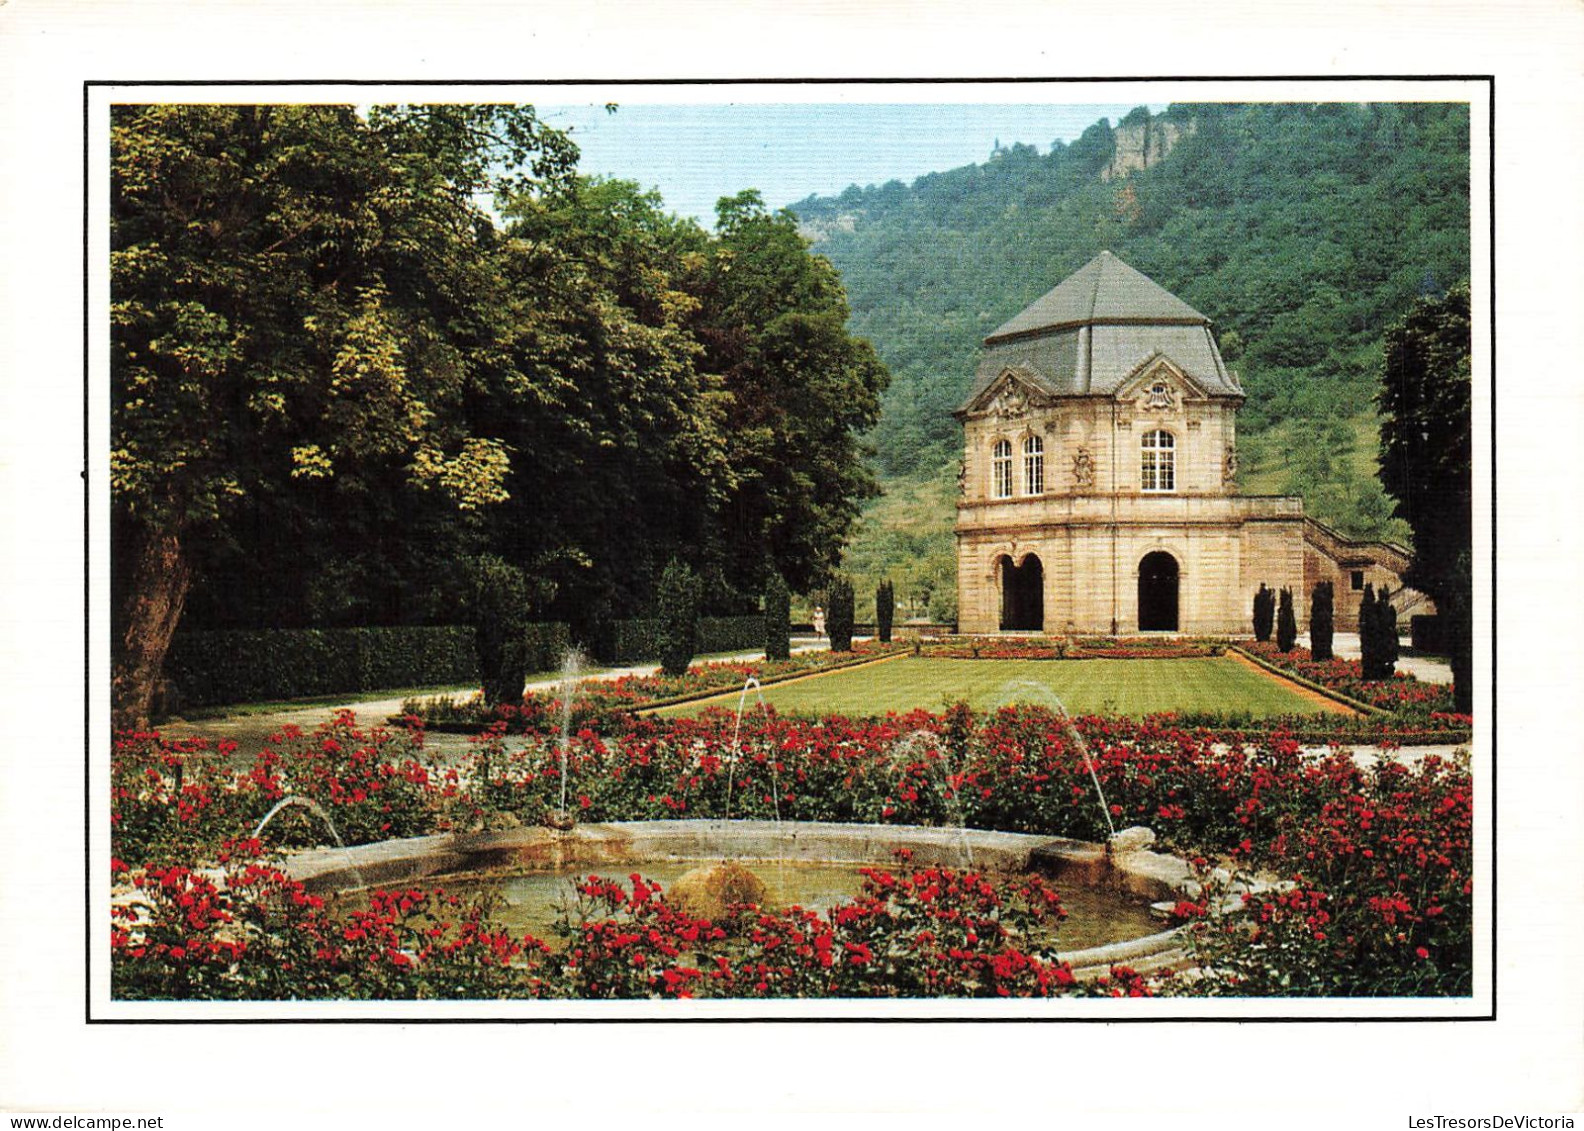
[[1103, 290], [1090, 334]]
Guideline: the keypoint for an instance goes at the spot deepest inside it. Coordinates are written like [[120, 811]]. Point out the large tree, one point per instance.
[[297, 308], [617, 438], [800, 391], [1427, 455]]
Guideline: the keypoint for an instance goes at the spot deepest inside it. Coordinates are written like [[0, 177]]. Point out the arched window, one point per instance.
[[1159, 469], [1001, 470], [1033, 466]]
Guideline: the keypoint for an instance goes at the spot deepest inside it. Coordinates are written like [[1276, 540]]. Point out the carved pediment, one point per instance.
[[1010, 396], [1158, 385]]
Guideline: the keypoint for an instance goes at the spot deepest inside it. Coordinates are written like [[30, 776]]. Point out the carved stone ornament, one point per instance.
[[1083, 468], [962, 479], [1011, 403], [1229, 466], [1159, 397]]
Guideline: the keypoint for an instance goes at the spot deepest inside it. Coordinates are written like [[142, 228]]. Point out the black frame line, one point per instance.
[[1030, 80]]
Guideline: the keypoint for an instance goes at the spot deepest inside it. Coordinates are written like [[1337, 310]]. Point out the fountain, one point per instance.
[[295, 802], [714, 875], [1108, 895], [1049, 698], [951, 797], [572, 666], [711, 861], [736, 751]]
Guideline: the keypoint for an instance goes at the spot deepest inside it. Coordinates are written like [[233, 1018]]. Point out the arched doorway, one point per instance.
[[1157, 593], [1022, 595]]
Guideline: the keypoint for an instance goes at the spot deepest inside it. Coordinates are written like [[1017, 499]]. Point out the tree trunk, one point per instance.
[[152, 592]]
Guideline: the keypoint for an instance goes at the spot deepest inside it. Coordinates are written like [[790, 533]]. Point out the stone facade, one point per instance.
[[1099, 482], [1349, 565]]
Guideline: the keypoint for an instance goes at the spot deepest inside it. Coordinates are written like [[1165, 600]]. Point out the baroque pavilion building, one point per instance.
[[1098, 491]]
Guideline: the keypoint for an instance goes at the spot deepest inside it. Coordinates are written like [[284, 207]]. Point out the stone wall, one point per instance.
[[1331, 556], [1091, 550]]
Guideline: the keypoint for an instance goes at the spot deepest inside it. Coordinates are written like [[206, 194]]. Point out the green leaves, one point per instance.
[[301, 297]]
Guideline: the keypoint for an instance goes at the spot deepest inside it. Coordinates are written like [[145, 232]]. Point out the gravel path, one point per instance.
[[1427, 668], [252, 731]]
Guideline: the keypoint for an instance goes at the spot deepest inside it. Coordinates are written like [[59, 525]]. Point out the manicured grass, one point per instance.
[[1116, 687]]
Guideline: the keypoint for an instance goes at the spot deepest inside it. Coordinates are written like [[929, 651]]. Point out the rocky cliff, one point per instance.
[[1140, 144]]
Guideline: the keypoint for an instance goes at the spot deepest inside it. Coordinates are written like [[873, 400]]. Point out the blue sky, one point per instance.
[[695, 154]]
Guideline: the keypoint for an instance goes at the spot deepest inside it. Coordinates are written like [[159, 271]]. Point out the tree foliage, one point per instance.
[[335, 374], [1427, 457], [800, 391], [295, 299]]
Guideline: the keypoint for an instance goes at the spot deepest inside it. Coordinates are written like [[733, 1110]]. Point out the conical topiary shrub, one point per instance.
[[777, 618], [1264, 613], [499, 608], [1369, 634], [1286, 623], [839, 620], [676, 607], [885, 610], [1386, 626], [1322, 620]]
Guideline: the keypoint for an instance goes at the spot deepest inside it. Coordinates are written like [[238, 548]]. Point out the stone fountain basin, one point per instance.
[[1146, 875]]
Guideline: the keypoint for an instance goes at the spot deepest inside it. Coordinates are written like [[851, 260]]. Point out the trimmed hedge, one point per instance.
[[634, 641], [248, 665], [731, 634]]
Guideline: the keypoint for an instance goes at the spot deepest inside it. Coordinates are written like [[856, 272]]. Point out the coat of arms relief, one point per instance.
[[1011, 403]]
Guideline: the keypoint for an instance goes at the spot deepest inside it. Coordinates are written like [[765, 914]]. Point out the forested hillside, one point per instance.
[[1303, 231]]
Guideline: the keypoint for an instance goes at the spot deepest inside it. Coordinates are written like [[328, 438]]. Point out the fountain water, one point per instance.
[[295, 802], [572, 665], [751, 683], [1048, 698], [907, 747], [736, 750]]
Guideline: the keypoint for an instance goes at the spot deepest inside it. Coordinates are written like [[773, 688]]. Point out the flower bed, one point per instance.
[[601, 703], [182, 799], [1404, 696], [1081, 648], [1384, 853], [911, 932]]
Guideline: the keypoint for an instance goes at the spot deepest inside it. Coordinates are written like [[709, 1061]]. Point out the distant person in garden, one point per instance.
[[819, 621]]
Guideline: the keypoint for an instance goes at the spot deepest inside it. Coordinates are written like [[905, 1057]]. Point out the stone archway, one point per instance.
[[1022, 595], [1158, 578]]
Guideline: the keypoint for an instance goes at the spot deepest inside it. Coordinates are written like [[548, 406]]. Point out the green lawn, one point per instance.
[[1119, 687]]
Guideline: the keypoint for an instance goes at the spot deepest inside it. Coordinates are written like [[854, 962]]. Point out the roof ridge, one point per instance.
[[1131, 296], [1099, 278]]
